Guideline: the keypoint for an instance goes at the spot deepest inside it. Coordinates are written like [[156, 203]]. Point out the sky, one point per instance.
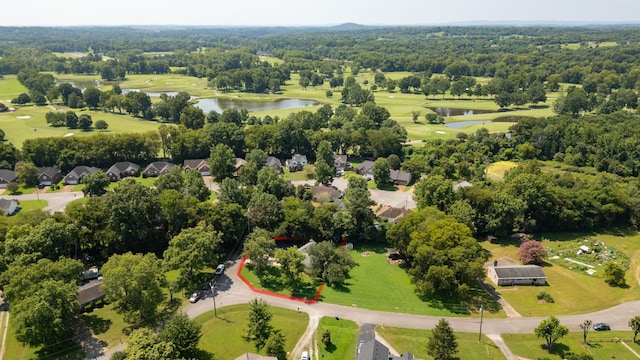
[[314, 12]]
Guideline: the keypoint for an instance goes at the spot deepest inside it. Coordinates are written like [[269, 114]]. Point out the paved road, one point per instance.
[[55, 201]]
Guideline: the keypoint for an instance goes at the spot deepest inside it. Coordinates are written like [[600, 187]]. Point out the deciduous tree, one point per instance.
[[381, 172], [291, 266], [95, 184], [551, 330], [259, 328], [614, 274], [532, 252], [634, 324], [183, 333]]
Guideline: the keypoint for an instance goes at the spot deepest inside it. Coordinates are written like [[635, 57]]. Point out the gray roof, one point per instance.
[[7, 175], [49, 171], [121, 166], [273, 162], [5, 204], [365, 167], [519, 272], [297, 158], [80, 171], [397, 175], [158, 166], [461, 184], [195, 163]]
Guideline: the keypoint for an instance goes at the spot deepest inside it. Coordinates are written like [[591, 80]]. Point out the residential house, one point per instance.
[[369, 348], [400, 177], [123, 169], [366, 169], [296, 162], [516, 275], [90, 293], [201, 165], [75, 176], [157, 168], [392, 214], [48, 176], [340, 162], [323, 193], [8, 207], [461, 184], [275, 163], [6, 176], [239, 163]]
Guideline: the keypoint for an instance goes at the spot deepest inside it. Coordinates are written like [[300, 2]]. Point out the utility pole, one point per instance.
[[481, 313], [213, 294]]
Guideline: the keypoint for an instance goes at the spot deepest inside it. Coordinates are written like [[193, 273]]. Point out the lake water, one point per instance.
[[461, 124], [219, 105], [447, 112], [150, 93]]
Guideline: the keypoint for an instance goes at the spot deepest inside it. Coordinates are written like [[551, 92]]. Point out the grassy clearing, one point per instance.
[[30, 205], [415, 341], [14, 350], [344, 338], [376, 284], [35, 126], [106, 325], [222, 335], [307, 173], [496, 170], [601, 345], [10, 88], [569, 288], [272, 282]]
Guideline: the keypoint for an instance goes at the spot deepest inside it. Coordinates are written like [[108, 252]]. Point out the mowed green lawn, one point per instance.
[[602, 345], [10, 88], [29, 122], [415, 341], [344, 339], [222, 335], [573, 292], [376, 284]]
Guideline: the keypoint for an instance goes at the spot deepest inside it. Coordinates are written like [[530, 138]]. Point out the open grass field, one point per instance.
[[10, 88], [14, 350], [601, 345], [106, 325], [376, 284], [29, 122], [307, 173], [344, 339], [574, 292], [272, 282], [222, 335], [496, 170], [400, 105], [30, 205], [415, 341]]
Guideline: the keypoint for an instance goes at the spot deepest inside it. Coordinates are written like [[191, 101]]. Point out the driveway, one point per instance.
[[55, 201]]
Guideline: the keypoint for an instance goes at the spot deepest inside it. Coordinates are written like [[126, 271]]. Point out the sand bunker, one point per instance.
[[23, 117], [440, 132], [68, 134]]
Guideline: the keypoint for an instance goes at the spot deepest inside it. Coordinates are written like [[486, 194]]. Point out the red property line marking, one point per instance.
[[271, 293]]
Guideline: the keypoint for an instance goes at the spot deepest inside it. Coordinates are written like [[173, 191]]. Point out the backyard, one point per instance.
[[569, 287], [344, 338], [415, 341]]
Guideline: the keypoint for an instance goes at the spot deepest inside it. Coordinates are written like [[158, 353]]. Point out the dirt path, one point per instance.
[[305, 342], [497, 339], [630, 349]]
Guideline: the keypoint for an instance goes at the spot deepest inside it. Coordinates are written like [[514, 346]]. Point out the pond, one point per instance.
[[447, 112], [150, 93], [461, 124], [219, 105]]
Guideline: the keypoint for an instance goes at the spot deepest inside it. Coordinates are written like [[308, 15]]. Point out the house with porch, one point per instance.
[[122, 169], [48, 176], [200, 165], [75, 176], [296, 162], [157, 168]]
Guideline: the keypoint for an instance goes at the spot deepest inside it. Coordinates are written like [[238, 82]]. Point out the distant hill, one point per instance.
[[349, 26]]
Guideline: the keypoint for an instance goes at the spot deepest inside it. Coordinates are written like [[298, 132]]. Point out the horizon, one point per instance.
[[290, 13]]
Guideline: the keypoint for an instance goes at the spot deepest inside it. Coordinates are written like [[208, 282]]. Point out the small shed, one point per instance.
[[517, 275]]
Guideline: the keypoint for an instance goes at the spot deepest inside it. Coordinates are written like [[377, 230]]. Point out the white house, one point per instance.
[[517, 275]]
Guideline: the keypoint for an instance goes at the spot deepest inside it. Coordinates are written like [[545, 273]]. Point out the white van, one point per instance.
[[305, 355]]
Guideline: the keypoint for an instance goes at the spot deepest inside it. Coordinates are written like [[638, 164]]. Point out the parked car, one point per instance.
[[601, 327], [219, 269], [196, 296]]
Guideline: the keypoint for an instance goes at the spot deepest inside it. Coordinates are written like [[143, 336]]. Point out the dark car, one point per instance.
[[601, 327]]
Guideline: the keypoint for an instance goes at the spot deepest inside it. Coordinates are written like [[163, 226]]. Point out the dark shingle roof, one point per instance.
[[365, 167], [519, 272], [49, 171], [80, 171], [397, 175], [7, 175]]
